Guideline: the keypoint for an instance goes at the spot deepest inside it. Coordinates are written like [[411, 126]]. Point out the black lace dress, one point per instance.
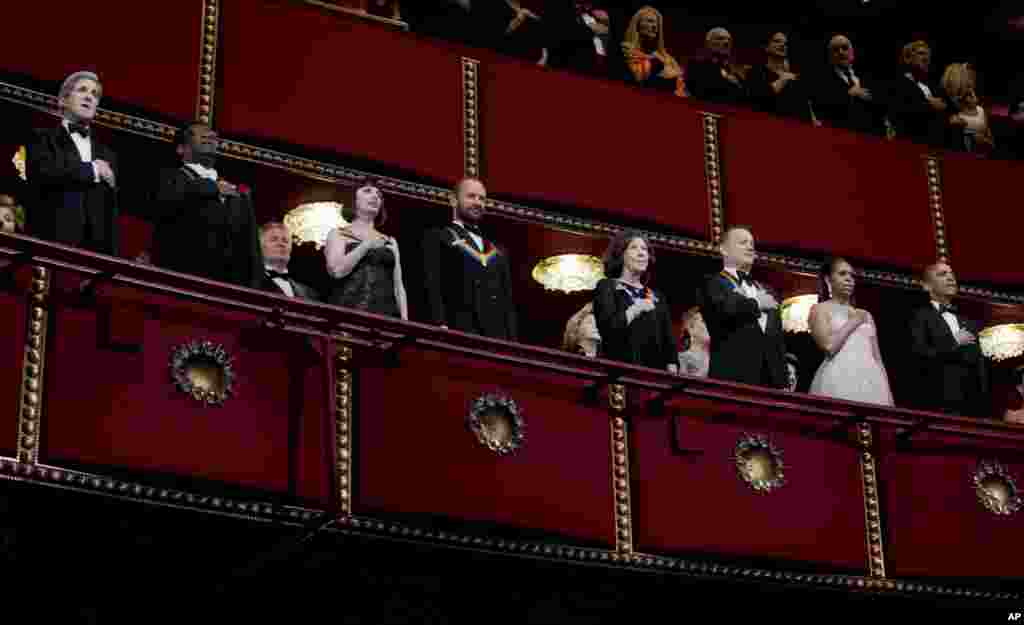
[[371, 284]]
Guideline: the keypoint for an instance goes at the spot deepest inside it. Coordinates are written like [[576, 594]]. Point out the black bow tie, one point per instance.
[[947, 308], [79, 129], [277, 274], [742, 277], [475, 229]]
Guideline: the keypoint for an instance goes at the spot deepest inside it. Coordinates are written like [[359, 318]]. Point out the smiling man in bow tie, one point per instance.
[[276, 242], [953, 372], [71, 176], [742, 317]]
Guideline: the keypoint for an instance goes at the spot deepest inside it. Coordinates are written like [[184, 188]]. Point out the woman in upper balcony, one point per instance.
[[853, 368], [648, 61], [969, 127], [633, 320], [774, 87], [364, 263]]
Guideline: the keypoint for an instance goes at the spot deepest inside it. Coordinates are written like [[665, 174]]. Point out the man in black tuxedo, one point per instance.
[[276, 243], [919, 109], [205, 224], [843, 97], [953, 371], [467, 278], [72, 195], [747, 342]]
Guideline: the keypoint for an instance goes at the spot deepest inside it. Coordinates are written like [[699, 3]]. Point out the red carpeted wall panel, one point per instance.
[[984, 220], [692, 504], [936, 525], [822, 190], [598, 144], [115, 408], [301, 75], [145, 55], [415, 454], [13, 317]]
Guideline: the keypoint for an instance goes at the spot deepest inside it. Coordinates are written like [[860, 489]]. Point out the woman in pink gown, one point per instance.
[[853, 368]]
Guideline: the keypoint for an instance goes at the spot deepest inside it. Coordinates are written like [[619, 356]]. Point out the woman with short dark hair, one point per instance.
[[633, 320]]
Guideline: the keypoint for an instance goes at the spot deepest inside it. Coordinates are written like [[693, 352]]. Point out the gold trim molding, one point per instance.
[[33, 370], [934, 167], [620, 472], [343, 427], [471, 117], [713, 177], [872, 505], [208, 43], [58, 477]]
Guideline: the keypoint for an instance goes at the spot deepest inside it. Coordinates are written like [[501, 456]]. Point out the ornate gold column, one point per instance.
[[872, 507], [713, 177], [207, 61], [343, 434], [470, 117], [620, 472], [33, 370], [935, 208]]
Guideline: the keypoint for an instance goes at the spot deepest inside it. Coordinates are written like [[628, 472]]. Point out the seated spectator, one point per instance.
[[9, 217], [648, 62], [695, 357], [969, 130], [581, 335], [842, 96], [578, 37], [918, 110], [774, 88], [713, 76], [276, 248]]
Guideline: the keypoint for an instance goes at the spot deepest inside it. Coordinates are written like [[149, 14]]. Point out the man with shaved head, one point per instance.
[[843, 96], [953, 372]]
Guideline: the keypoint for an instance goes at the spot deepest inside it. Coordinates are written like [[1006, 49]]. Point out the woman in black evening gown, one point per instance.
[[364, 263], [634, 321]]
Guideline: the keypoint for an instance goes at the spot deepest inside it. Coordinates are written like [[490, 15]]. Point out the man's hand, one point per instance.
[[105, 172], [937, 103], [964, 337], [765, 301], [857, 91], [226, 188]]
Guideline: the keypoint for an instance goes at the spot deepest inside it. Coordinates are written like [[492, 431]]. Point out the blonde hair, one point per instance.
[[958, 79], [911, 48], [634, 52]]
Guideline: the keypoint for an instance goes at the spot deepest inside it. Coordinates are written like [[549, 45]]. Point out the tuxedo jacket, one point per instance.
[[266, 283], [468, 288], [911, 115], [65, 203], [952, 377], [740, 350], [199, 232], [834, 105]]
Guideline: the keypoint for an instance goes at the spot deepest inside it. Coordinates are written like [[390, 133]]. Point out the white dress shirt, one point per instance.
[[850, 79], [285, 285], [590, 21], [920, 85], [202, 171], [949, 318], [84, 145], [750, 291], [476, 237]]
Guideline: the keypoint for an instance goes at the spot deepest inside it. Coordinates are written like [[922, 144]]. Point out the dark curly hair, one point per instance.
[[824, 272], [614, 256], [349, 212]]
